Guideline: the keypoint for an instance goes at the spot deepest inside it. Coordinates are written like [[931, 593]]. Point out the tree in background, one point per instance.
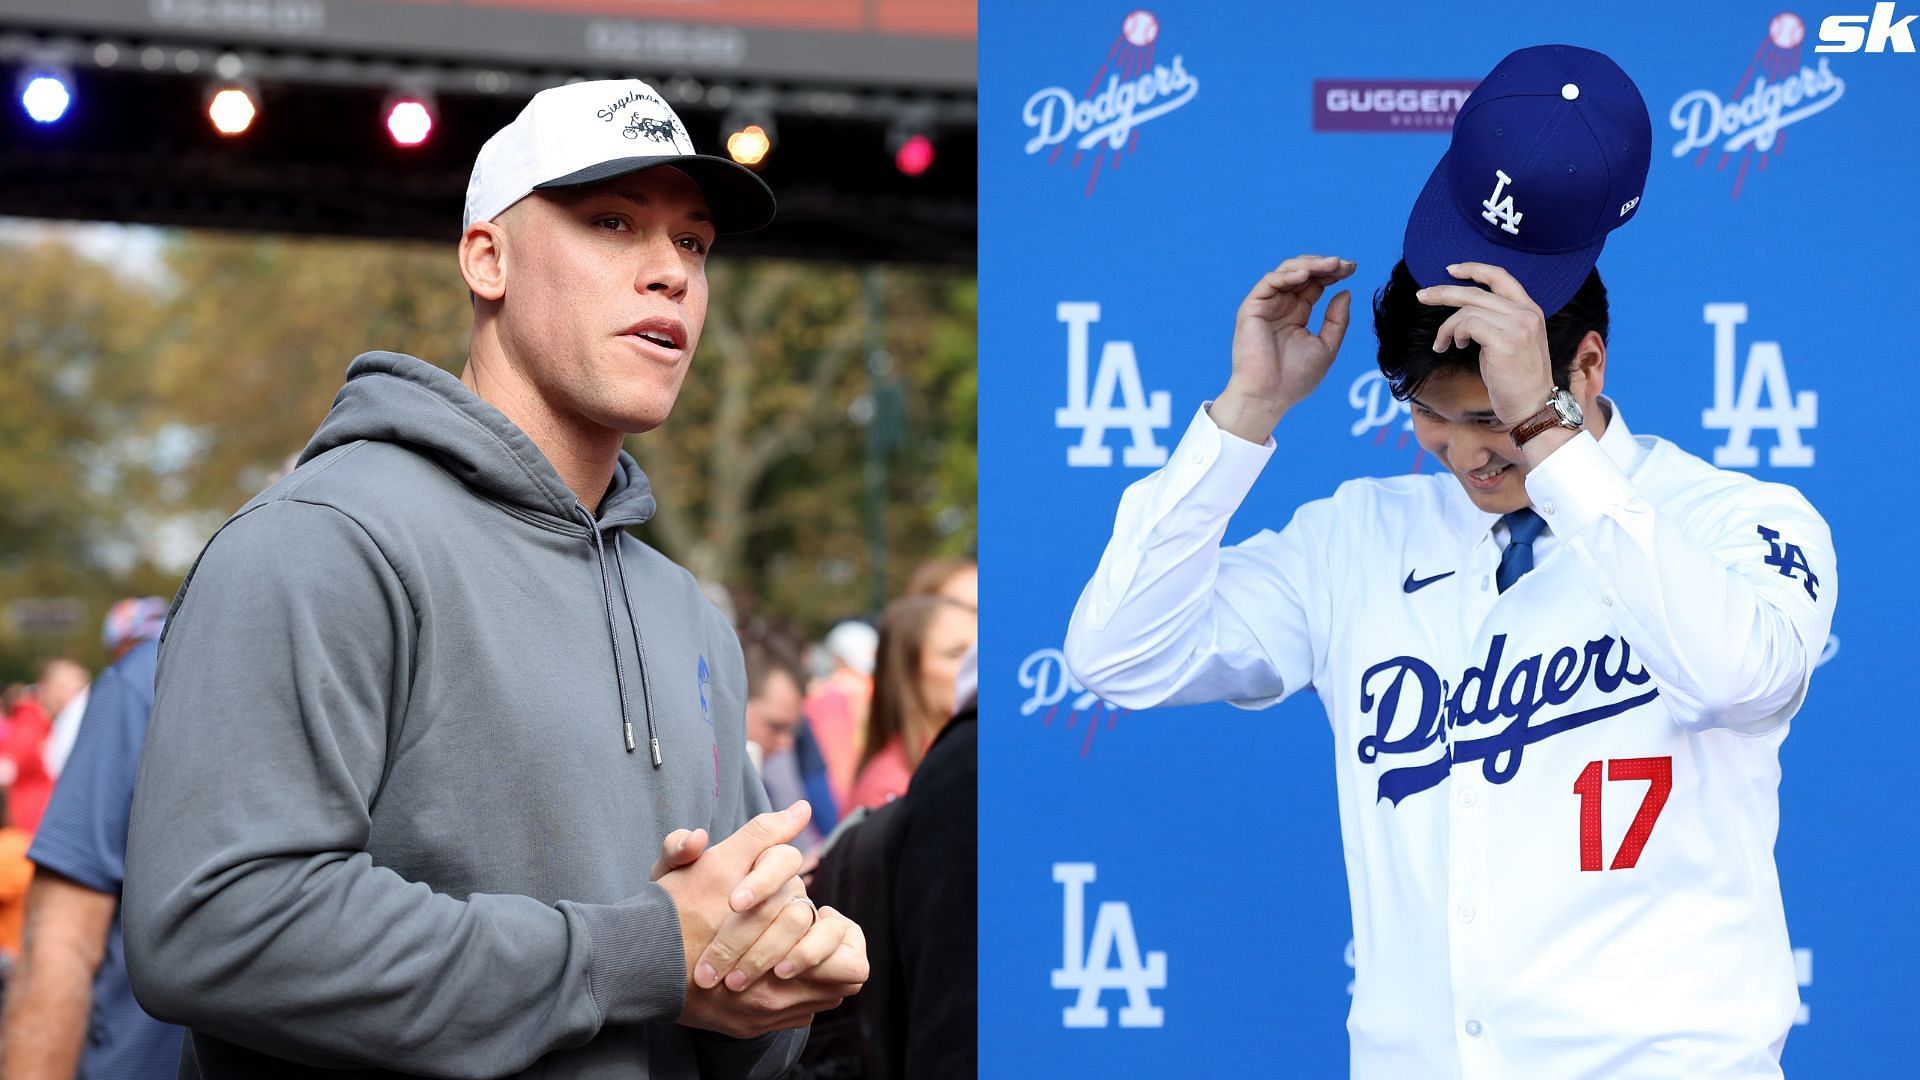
[[139, 415], [760, 472], [75, 346]]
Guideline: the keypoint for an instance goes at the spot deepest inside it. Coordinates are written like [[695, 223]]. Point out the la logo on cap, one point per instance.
[[1500, 211], [1556, 129]]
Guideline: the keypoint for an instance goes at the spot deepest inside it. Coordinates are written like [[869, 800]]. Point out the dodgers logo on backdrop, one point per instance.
[[1116, 398], [1803, 974], [1050, 684], [1415, 711], [1393, 105], [1739, 412], [1777, 90], [1381, 412], [1089, 965], [1129, 89]]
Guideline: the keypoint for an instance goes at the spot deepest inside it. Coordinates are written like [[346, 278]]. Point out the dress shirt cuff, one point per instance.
[[1579, 484], [1214, 469]]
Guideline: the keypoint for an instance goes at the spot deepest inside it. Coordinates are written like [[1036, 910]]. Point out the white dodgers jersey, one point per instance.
[[1558, 802]]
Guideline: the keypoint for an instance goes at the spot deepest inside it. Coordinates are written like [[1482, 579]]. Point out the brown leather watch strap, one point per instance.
[[1548, 417]]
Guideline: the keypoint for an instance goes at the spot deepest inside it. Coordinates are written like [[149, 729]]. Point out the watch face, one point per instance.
[[1568, 408]]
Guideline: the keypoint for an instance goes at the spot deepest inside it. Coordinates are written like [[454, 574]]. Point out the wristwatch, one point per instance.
[[1561, 410]]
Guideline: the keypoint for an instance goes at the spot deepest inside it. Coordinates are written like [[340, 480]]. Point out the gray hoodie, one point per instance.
[[390, 814]]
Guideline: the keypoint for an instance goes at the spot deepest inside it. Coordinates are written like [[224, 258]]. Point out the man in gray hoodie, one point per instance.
[[425, 711]]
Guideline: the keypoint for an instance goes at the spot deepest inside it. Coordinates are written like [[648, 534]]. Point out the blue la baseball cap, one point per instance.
[[1549, 156]]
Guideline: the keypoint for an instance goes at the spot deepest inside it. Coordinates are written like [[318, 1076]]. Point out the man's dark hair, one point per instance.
[[766, 652], [1406, 329]]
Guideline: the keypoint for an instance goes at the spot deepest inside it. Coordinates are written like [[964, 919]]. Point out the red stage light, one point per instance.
[[915, 155]]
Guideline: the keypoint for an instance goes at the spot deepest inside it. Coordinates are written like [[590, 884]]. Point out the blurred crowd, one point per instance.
[[875, 727], [69, 752], [871, 724]]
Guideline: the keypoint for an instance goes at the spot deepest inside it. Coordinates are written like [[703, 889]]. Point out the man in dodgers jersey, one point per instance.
[[1558, 679]]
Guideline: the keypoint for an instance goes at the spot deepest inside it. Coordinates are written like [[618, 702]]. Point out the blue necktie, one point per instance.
[[1523, 528]]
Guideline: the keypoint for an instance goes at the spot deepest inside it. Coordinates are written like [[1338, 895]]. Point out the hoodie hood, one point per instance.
[[395, 398]]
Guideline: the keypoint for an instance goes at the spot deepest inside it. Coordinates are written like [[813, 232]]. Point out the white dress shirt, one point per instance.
[[1524, 905]]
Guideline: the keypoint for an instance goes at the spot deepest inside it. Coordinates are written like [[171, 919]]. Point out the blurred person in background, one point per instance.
[[923, 640], [908, 873], [429, 708], [16, 873], [836, 705], [23, 761], [956, 579], [69, 1010], [777, 740], [65, 703], [128, 623], [774, 680]]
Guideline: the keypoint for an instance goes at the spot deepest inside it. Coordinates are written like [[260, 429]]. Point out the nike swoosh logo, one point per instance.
[[1413, 584]]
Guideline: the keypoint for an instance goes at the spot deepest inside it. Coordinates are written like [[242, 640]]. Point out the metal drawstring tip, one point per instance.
[[627, 726], [655, 744]]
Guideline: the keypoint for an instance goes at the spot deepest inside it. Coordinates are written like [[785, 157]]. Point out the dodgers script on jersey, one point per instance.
[[1559, 802]]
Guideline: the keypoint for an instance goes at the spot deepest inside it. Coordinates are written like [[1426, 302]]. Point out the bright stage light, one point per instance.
[[750, 145], [915, 155], [409, 121], [232, 111], [46, 98]]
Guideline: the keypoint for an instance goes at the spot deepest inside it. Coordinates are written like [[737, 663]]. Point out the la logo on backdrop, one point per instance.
[[1108, 960], [1129, 89]]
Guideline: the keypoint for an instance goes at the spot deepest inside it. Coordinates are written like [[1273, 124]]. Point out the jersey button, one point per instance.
[[1473, 1028], [1467, 797], [1466, 913]]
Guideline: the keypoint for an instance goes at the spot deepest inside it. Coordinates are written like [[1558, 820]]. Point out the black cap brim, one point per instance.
[[1437, 237], [741, 201]]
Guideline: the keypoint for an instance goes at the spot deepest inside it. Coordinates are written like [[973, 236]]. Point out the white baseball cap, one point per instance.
[[586, 132], [853, 643]]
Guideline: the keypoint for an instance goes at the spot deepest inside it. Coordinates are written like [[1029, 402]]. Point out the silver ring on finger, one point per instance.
[[811, 906]]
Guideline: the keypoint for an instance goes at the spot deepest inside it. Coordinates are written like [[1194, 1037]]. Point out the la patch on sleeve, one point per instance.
[[1789, 560]]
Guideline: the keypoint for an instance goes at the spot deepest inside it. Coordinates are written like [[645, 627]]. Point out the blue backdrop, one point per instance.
[[1762, 299]]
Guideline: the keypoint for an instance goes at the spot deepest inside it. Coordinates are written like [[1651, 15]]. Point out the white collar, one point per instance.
[[1617, 441]]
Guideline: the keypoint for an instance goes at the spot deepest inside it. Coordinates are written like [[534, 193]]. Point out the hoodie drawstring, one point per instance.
[[640, 650], [598, 540]]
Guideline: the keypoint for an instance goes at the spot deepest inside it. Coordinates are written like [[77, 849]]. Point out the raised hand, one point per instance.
[[1277, 361]]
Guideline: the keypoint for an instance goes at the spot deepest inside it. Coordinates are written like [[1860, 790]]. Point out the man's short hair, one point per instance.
[[1406, 329], [766, 652]]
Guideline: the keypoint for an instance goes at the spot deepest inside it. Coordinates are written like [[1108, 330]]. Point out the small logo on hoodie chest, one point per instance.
[[702, 682]]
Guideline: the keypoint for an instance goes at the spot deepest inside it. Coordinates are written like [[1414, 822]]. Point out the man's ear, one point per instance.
[[483, 259], [1587, 378]]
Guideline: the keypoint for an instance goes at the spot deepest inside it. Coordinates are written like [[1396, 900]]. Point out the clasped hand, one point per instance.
[[759, 957]]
